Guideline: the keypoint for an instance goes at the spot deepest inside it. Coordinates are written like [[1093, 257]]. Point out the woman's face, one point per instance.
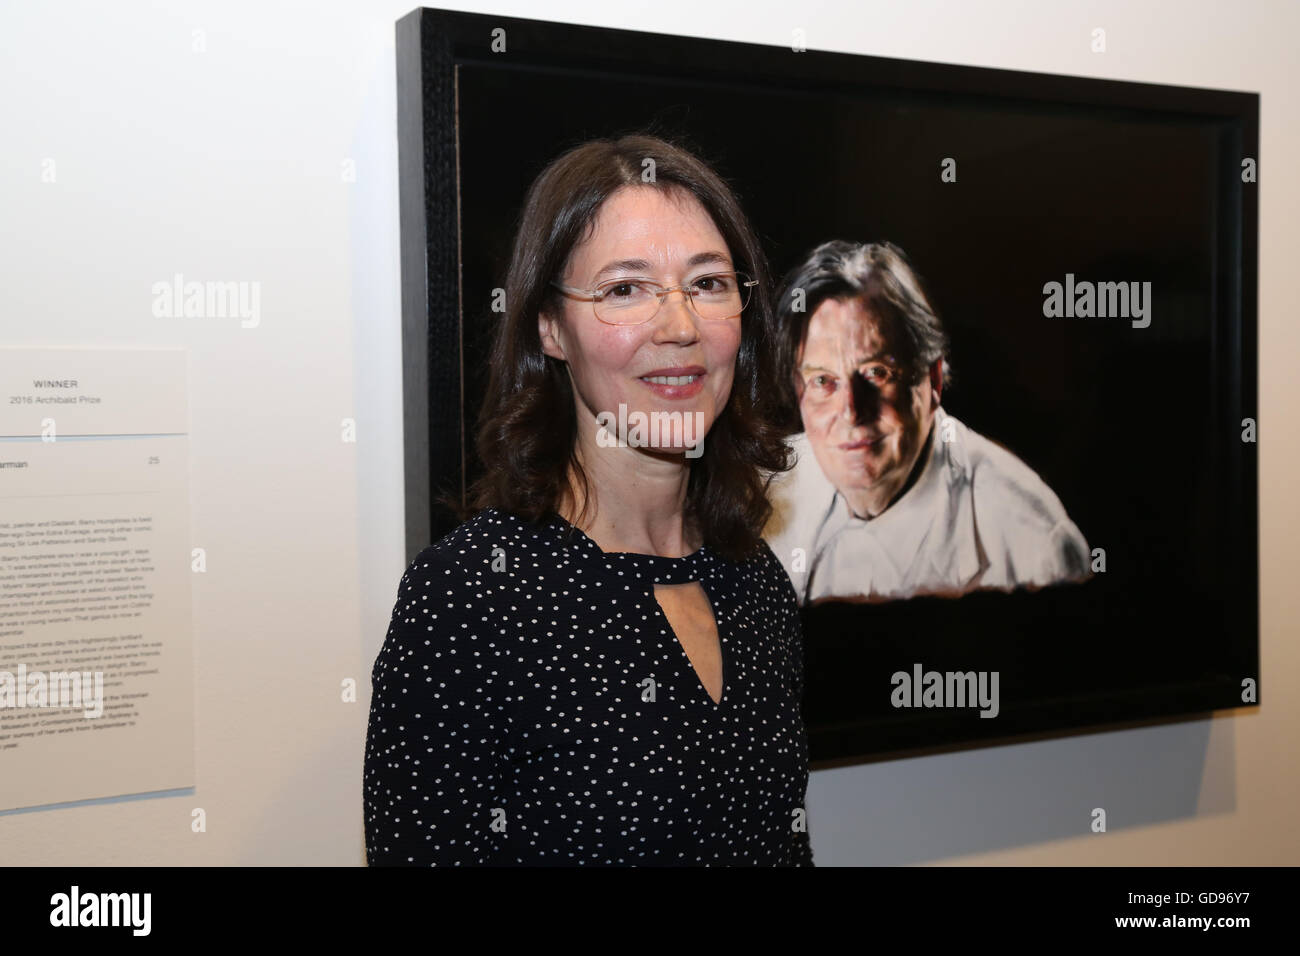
[[643, 232]]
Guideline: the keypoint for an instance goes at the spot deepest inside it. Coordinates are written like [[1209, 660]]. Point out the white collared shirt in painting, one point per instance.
[[977, 517]]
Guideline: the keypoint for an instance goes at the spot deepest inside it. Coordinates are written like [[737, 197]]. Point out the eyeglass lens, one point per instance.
[[633, 301]]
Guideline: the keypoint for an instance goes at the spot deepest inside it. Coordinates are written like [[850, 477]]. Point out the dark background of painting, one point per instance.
[[1137, 430]]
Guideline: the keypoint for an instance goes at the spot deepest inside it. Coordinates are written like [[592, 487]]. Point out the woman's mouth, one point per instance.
[[670, 379], [675, 383]]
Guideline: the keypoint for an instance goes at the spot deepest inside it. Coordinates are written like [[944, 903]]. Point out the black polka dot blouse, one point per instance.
[[532, 705]]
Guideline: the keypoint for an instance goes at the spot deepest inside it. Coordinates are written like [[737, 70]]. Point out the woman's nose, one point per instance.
[[676, 318]]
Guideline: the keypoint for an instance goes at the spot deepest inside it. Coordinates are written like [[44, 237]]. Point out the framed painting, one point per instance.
[[1053, 527]]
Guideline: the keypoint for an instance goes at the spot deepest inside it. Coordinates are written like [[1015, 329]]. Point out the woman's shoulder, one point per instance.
[[459, 576], [486, 544], [480, 534]]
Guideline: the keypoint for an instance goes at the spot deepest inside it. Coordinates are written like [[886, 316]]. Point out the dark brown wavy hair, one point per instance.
[[527, 426]]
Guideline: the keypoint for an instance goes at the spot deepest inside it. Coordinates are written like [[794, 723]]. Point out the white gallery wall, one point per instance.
[[256, 141]]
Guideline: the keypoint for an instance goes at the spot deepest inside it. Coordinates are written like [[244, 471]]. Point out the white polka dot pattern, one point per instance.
[[532, 706]]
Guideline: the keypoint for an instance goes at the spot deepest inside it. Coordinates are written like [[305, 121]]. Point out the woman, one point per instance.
[[604, 664]]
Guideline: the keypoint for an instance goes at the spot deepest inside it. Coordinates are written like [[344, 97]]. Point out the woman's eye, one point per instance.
[[621, 290]]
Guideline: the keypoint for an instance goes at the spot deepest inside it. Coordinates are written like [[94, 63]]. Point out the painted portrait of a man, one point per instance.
[[891, 496]]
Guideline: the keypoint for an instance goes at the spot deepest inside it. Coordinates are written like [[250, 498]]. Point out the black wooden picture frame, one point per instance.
[[1170, 634]]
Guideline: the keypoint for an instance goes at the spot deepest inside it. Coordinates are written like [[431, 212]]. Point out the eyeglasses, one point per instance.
[[713, 297]]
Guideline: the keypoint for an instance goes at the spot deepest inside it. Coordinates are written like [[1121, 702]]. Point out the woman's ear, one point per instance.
[[548, 329], [936, 380]]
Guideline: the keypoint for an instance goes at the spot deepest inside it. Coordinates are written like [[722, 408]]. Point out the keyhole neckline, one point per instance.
[[662, 569]]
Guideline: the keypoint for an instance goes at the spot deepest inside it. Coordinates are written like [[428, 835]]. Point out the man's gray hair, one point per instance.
[[881, 277]]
